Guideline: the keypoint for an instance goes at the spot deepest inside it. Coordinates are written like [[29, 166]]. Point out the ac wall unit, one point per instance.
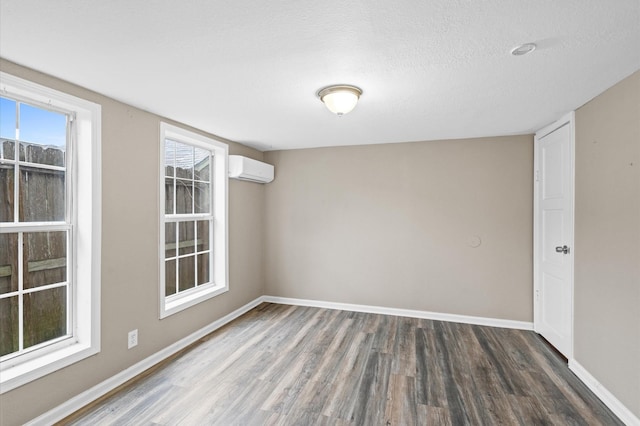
[[244, 168]]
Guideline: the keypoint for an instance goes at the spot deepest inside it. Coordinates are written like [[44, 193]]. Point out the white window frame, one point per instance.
[[219, 241], [84, 172]]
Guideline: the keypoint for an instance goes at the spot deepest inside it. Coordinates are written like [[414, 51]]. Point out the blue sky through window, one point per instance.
[[7, 118], [37, 125]]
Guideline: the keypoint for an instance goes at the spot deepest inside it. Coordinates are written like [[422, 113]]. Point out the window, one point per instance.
[[193, 219], [50, 192]]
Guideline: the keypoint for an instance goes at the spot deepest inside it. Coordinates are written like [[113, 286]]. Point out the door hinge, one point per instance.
[[537, 175], [537, 294]]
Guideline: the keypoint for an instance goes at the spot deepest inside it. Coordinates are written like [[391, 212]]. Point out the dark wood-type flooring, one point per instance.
[[287, 365]]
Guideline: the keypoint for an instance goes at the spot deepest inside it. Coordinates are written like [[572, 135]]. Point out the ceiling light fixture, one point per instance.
[[340, 99], [523, 49]]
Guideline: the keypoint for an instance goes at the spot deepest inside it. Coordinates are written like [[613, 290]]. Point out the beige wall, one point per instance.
[[607, 240], [390, 225], [130, 154]]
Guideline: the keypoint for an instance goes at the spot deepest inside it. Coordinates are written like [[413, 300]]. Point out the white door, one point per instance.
[[553, 234]]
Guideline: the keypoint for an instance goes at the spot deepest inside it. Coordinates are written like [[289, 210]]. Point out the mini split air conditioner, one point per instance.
[[244, 168]]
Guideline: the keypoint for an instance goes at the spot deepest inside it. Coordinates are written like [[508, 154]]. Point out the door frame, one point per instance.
[[566, 120]]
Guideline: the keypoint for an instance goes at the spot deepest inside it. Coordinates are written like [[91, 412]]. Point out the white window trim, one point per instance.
[[219, 201], [87, 209]]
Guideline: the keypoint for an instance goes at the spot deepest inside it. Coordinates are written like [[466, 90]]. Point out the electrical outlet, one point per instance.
[[133, 339]]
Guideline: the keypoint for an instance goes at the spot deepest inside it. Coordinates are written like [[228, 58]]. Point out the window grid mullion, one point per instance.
[[193, 178], [45, 287], [9, 295], [177, 253], [182, 256], [186, 217], [9, 228], [195, 251], [20, 292], [71, 310], [16, 169], [41, 166], [175, 179]]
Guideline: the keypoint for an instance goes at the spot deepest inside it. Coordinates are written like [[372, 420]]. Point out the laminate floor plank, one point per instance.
[[303, 366], [401, 407], [371, 395], [288, 365], [429, 380], [529, 410], [435, 416], [465, 351], [341, 403], [322, 385], [404, 360], [501, 364]]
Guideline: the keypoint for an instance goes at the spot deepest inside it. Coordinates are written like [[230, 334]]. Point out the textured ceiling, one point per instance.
[[249, 71]]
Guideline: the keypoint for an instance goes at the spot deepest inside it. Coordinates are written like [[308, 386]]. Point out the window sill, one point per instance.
[[29, 371], [174, 306]]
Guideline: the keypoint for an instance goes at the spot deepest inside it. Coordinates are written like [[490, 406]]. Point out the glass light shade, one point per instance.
[[523, 49], [340, 99]]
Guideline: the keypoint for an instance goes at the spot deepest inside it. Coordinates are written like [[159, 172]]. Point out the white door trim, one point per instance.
[[567, 120]]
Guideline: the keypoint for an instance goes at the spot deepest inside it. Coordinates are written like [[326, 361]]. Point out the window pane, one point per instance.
[[42, 194], [186, 238], [6, 192], [169, 157], [203, 268], [170, 277], [169, 194], [170, 239], [44, 129], [45, 257], [8, 263], [8, 325], [7, 118], [45, 315], [184, 196], [34, 153], [203, 235], [184, 161], [187, 273], [202, 193], [7, 150], [201, 166]]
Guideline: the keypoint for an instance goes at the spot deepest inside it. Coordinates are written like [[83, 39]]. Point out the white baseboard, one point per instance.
[[465, 319], [618, 408], [90, 395]]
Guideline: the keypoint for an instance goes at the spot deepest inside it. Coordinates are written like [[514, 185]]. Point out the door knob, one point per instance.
[[563, 249]]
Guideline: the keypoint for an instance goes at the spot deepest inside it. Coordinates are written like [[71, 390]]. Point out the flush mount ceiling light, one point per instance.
[[523, 49], [340, 99]]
